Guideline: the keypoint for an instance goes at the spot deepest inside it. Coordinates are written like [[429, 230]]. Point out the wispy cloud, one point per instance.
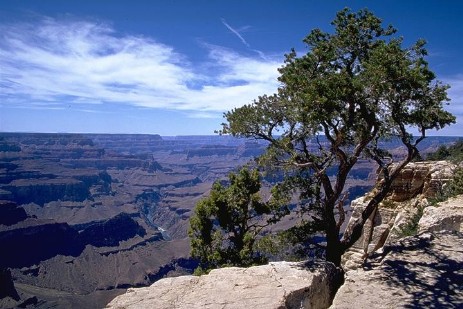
[[55, 63], [235, 32]]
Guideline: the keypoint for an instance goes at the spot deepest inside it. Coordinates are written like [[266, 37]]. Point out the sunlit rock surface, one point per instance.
[[424, 271], [445, 216], [276, 285]]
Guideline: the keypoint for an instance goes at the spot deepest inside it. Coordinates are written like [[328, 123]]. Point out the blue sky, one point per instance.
[[173, 67]]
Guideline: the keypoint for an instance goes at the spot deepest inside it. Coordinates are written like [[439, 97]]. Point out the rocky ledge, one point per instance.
[[422, 271], [276, 285], [446, 216]]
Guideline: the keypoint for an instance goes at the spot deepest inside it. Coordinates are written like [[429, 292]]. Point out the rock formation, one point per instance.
[[276, 285], [421, 178], [112, 231], [410, 192], [447, 216], [6, 285], [32, 241], [423, 271], [84, 216]]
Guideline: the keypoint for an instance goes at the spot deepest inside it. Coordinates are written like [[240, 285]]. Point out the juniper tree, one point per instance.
[[225, 225], [354, 87]]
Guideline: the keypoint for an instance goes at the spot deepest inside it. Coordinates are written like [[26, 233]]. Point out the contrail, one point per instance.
[[235, 32]]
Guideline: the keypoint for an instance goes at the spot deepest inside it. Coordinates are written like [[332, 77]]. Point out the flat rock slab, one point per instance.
[[276, 285], [446, 216], [424, 271]]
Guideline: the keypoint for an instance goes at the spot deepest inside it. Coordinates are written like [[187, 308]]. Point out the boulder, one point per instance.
[[447, 215], [423, 271], [276, 285]]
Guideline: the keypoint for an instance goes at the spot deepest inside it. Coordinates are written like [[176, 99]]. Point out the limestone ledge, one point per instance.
[[275, 285]]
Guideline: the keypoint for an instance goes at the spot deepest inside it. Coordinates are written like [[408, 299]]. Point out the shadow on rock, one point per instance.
[[429, 268]]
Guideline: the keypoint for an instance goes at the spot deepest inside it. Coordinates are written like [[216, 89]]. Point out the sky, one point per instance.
[[173, 67]]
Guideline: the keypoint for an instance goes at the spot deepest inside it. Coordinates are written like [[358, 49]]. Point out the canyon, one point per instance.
[[83, 217], [90, 215]]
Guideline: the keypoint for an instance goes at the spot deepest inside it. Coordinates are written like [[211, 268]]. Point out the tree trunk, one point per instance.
[[333, 249], [333, 244]]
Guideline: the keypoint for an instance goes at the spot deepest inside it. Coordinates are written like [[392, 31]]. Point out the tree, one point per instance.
[[224, 226], [353, 88]]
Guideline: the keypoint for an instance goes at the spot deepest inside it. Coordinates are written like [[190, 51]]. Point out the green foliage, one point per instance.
[[450, 153], [280, 247], [455, 186], [355, 86], [225, 225]]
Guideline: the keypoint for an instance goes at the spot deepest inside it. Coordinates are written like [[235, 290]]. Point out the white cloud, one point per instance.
[[54, 63]]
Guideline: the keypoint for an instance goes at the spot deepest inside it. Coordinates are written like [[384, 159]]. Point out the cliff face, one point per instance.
[[410, 192], [110, 232], [423, 179], [33, 241], [422, 271]]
